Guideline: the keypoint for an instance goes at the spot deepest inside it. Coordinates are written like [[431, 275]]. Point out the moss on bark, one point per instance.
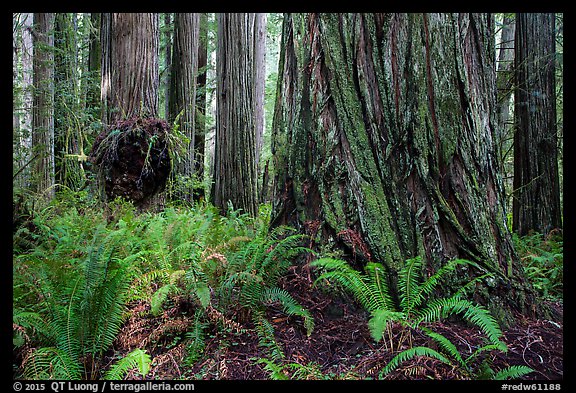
[[383, 128]]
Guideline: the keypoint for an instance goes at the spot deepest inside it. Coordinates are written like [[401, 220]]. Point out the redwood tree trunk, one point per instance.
[[43, 104], [68, 133], [132, 152], [130, 78], [200, 118], [383, 144], [182, 100], [22, 99], [259, 78], [536, 202], [235, 173], [505, 88]]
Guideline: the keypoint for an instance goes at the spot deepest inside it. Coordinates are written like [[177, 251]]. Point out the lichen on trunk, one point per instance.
[[383, 133]]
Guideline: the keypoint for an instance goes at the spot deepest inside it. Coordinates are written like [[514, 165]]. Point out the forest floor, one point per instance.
[[340, 347]]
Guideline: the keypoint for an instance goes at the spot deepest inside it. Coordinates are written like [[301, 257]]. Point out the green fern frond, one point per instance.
[[138, 358], [351, 280], [276, 371], [475, 314], [377, 278], [380, 319], [266, 338], [427, 288], [512, 372], [412, 353], [481, 317], [202, 292], [500, 346], [290, 306], [196, 337], [36, 323], [448, 347], [409, 284], [160, 296], [51, 363]]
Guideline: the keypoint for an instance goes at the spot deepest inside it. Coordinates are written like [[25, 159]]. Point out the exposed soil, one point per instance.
[[340, 345]]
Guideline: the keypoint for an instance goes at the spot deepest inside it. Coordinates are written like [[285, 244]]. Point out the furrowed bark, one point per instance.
[[536, 200], [383, 139], [235, 173]]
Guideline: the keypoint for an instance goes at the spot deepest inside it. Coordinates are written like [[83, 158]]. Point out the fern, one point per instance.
[[290, 306], [370, 294], [254, 270], [160, 297], [452, 356], [276, 371], [408, 284], [380, 319], [448, 348], [476, 314], [51, 363], [84, 307], [196, 339], [410, 354], [266, 338], [138, 358], [512, 372]]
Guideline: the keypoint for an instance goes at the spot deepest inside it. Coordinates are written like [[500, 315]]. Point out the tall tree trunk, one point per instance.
[[536, 202], [200, 118], [130, 78], [383, 144], [23, 97], [43, 105], [136, 164], [68, 134], [182, 107], [167, 77], [94, 63], [259, 78], [505, 88], [235, 170]]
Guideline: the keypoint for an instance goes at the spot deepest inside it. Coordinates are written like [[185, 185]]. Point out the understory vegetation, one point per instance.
[[88, 276]]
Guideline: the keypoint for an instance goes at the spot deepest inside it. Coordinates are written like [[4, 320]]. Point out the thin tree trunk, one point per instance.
[[200, 118], [536, 201], [183, 96], [23, 97], [43, 105], [383, 144], [259, 78], [504, 85], [68, 134], [235, 170]]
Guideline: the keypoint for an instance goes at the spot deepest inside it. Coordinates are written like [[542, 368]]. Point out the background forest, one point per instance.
[[287, 196]]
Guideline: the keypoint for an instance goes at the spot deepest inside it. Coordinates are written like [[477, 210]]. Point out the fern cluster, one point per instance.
[[246, 284], [228, 266], [543, 261], [73, 305], [414, 308], [76, 269]]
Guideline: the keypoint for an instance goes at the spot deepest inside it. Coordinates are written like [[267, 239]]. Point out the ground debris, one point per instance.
[[340, 346]]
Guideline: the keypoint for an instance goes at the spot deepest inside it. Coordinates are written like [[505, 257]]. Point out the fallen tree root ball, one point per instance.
[[133, 158]]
